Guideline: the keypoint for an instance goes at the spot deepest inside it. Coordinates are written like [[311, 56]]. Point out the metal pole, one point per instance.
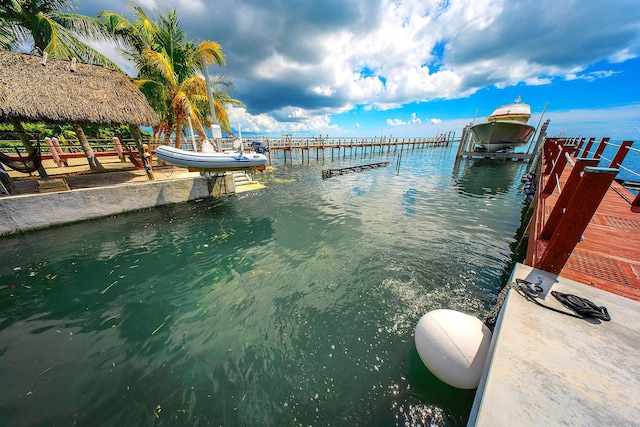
[[215, 128], [193, 137], [537, 129]]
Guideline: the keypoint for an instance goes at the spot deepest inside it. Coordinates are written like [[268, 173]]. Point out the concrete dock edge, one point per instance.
[[548, 369], [34, 211]]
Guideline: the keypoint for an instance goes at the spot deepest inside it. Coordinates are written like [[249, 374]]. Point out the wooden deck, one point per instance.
[[608, 253]]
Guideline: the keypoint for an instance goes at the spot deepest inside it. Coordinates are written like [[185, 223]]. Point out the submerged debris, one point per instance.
[[328, 173]]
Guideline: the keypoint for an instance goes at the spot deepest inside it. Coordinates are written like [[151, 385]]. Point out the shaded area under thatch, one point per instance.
[[33, 92]]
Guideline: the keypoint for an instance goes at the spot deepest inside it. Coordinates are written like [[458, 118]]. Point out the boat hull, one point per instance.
[[210, 161], [495, 136]]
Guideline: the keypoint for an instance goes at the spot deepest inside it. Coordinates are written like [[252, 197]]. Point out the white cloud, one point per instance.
[[623, 55], [415, 120], [187, 7], [620, 122], [298, 65], [266, 124], [595, 75], [323, 90], [395, 122]]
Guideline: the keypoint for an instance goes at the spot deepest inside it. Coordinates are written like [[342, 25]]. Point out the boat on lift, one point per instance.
[[210, 160], [505, 129]]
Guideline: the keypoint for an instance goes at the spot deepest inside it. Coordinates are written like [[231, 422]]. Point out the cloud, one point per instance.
[[322, 58], [592, 76], [589, 122], [398, 122], [299, 122]]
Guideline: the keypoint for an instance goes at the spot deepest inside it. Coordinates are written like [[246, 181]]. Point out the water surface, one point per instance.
[[293, 305]]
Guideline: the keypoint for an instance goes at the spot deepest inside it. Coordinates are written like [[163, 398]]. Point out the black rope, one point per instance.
[[583, 308]]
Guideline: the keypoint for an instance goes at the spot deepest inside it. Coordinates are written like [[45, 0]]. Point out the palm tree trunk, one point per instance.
[[201, 133], [27, 144], [178, 132], [168, 129], [94, 164]]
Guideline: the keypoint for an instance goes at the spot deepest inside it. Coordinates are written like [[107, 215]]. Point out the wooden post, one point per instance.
[[587, 147], [269, 149], [565, 197], [6, 183], [552, 150], [621, 154], [635, 206], [577, 147], [601, 148], [590, 191], [558, 167], [463, 141], [135, 133]]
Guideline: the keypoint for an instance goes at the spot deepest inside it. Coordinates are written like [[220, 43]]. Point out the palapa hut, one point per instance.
[[40, 89]]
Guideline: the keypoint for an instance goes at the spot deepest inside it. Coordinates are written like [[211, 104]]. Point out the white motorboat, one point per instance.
[[506, 128], [211, 160]]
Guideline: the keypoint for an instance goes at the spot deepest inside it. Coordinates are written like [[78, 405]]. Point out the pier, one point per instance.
[[545, 368], [585, 224], [69, 157], [332, 148]]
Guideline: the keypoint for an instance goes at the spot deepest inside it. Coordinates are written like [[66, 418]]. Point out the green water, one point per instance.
[[293, 305]]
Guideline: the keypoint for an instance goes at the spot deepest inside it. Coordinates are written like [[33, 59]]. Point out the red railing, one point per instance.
[[563, 212]]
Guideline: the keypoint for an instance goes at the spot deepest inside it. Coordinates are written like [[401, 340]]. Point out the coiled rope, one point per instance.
[[582, 307]]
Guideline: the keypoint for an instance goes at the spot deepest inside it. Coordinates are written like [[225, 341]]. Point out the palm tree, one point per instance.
[[48, 27], [169, 67]]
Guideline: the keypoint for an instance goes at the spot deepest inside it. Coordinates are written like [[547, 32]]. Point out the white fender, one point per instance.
[[453, 346]]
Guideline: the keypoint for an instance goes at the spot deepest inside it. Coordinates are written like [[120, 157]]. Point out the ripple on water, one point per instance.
[[292, 305]]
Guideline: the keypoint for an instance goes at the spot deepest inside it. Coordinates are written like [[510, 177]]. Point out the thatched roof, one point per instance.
[[33, 92]]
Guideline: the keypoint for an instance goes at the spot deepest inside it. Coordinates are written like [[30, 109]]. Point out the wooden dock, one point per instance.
[[585, 226], [333, 148]]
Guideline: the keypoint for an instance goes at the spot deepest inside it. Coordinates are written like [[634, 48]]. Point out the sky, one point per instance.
[[408, 68]]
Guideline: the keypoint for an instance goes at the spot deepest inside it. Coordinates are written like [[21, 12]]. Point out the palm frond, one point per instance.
[[83, 26], [212, 51], [8, 38], [194, 86], [122, 30], [161, 63]]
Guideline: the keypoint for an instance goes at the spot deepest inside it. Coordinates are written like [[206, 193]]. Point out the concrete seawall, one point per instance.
[[35, 211]]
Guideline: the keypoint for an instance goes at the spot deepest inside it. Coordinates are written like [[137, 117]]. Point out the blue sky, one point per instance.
[[418, 67]]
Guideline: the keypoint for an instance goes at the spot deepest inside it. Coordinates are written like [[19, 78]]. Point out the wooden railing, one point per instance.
[[572, 205]]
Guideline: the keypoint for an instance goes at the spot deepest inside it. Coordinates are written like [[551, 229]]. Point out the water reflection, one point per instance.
[[479, 177]]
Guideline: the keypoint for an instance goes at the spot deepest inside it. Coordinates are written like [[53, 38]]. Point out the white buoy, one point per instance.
[[453, 346]]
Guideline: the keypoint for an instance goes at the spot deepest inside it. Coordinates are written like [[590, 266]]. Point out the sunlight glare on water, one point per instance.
[[292, 305]]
